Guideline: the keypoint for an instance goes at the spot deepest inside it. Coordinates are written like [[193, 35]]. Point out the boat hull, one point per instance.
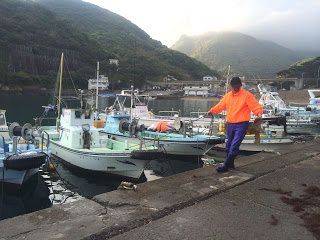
[[16, 178], [268, 144], [112, 163], [179, 148], [299, 128], [15, 170]]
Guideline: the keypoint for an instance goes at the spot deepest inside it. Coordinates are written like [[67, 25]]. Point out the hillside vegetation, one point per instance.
[[307, 68], [31, 42], [33, 34], [246, 55], [141, 58]]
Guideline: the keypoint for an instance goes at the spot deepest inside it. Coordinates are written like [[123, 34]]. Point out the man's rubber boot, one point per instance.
[[231, 161], [227, 165]]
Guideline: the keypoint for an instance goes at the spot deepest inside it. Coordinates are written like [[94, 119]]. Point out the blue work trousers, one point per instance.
[[236, 133]]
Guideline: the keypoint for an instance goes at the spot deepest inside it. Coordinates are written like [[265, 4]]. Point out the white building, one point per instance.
[[169, 78], [103, 83], [196, 91], [114, 61]]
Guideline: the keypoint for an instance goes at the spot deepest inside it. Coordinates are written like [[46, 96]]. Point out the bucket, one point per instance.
[[7, 147]]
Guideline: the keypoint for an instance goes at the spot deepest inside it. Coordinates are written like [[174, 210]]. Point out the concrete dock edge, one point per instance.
[[110, 214]]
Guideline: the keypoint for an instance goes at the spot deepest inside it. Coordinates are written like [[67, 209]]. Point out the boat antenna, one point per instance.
[[97, 93], [59, 99]]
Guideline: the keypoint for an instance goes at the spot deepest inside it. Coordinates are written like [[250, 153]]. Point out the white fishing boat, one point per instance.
[[272, 98], [75, 141], [314, 100], [138, 108], [270, 138], [299, 119]]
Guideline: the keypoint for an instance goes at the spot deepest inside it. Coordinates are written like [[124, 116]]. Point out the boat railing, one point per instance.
[[169, 113], [198, 114], [300, 106], [42, 139]]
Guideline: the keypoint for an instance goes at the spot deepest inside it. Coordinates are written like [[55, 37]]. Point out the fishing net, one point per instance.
[[255, 129]]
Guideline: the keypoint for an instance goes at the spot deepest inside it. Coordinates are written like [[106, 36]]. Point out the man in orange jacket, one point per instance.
[[239, 105]]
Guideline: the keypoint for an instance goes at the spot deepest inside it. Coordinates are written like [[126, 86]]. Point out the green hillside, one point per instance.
[[141, 58], [308, 68], [246, 55], [31, 41]]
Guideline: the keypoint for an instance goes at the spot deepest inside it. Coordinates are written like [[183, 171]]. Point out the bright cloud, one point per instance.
[[292, 23]]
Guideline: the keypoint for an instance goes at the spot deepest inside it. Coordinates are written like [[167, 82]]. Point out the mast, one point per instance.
[[131, 103], [97, 92], [227, 80], [59, 100]]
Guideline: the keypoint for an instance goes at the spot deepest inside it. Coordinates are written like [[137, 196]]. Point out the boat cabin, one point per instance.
[[77, 129], [3, 125], [270, 98]]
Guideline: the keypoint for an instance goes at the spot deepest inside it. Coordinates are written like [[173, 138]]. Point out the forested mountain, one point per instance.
[[307, 68], [141, 58], [31, 41], [33, 34], [246, 55]]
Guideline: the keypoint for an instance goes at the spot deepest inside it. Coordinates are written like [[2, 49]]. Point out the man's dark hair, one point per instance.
[[235, 82]]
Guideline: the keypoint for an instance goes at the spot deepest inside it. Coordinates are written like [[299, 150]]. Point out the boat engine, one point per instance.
[[26, 131], [133, 128]]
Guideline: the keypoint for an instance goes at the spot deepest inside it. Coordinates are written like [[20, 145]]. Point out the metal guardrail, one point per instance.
[[48, 140]]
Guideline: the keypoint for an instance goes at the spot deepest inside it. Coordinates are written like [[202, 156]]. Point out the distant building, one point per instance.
[[209, 78], [169, 78], [196, 91], [114, 61], [103, 83]]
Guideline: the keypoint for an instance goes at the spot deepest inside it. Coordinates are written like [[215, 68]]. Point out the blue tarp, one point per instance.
[[215, 95], [50, 109]]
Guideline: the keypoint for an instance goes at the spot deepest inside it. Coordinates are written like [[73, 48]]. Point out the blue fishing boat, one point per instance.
[[178, 142], [20, 158]]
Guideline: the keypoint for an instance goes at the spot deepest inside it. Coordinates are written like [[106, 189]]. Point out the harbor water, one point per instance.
[[67, 184]]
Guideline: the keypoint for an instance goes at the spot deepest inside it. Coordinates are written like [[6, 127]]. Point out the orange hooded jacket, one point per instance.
[[239, 106]]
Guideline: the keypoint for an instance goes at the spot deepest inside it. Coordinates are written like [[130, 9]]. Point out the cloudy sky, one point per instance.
[[291, 23]]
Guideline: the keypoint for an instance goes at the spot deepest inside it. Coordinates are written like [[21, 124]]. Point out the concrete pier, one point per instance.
[[250, 202]]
